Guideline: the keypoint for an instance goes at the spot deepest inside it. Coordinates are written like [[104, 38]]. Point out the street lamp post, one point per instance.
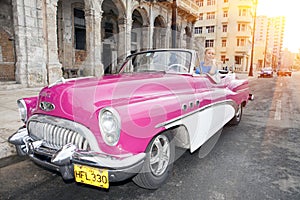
[[253, 38]]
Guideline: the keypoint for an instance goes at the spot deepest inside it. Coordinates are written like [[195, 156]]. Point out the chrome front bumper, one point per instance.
[[120, 167]]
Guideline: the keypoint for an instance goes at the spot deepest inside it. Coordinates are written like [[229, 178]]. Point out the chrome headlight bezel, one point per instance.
[[22, 109], [110, 125]]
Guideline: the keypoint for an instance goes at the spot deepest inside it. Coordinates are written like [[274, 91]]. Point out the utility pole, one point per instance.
[[253, 38]]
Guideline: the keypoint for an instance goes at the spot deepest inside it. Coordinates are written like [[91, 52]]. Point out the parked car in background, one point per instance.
[[126, 125], [266, 72], [284, 72]]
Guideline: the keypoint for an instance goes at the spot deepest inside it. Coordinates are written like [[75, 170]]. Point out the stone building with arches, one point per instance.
[[55, 38]]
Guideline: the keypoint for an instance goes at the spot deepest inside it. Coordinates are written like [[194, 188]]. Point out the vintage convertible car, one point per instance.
[[126, 125]]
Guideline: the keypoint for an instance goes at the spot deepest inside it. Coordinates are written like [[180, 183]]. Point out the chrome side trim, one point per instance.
[[226, 102]]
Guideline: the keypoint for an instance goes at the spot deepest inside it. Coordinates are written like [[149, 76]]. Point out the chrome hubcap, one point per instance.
[[159, 155]]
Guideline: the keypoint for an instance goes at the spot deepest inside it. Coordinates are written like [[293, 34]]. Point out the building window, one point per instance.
[[210, 29], [211, 2], [224, 42], [238, 60], [242, 12], [210, 15], [108, 29], [224, 28], [200, 2], [209, 43], [79, 29], [223, 59], [242, 27], [201, 16], [241, 42], [225, 13], [198, 30]]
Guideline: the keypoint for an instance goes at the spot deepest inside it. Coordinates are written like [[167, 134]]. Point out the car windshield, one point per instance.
[[169, 61]]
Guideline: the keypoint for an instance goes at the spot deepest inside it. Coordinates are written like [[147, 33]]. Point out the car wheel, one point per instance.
[[238, 116], [158, 163]]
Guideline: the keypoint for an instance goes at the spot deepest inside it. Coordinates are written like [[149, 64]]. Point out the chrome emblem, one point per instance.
[[46, 106]]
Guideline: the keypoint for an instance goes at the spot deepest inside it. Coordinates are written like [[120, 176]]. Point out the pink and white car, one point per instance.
[[126, 125]]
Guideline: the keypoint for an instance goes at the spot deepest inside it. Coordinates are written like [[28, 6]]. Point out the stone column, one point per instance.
[[51, 50], [244, 63], [192, 39], [93, 16], [124, 38], [169, 31], [151, 27], [28, 26], [145, 37]]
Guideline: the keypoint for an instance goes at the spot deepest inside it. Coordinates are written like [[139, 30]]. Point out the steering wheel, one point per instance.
[[178, 65]]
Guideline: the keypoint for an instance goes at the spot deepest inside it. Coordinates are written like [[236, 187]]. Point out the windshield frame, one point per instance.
[[125, 68]]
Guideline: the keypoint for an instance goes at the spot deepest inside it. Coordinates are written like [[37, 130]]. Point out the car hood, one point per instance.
[[79, 99]]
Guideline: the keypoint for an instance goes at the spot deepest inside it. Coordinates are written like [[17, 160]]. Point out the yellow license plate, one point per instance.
[[91, 176]]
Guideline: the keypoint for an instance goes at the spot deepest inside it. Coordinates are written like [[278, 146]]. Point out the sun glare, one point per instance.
[[289, 9]]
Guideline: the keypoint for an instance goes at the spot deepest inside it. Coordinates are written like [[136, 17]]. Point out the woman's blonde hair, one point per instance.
[[208, 48]]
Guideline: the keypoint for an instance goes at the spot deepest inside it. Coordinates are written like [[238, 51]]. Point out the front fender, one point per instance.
[[140, 121]]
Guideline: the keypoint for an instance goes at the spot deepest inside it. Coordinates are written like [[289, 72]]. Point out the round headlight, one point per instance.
[[110, 125], [22, 109]]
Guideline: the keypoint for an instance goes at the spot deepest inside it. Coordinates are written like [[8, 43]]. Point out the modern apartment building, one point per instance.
[[275, 39], [269, 36], [227, 26], [260, 42]]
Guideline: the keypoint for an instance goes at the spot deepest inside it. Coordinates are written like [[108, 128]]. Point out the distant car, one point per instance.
[[126, 125], [266, 72], [284, 72]]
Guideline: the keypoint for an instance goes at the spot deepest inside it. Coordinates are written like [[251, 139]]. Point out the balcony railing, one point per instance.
[[188, 7], [242, 49]]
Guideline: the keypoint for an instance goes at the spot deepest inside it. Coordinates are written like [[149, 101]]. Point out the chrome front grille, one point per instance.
[[56, 136]]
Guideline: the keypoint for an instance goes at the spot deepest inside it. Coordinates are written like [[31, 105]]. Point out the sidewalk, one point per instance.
[[9, 115]]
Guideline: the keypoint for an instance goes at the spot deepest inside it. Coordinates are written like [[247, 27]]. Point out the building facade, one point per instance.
[[260, 43], [287, 59], [275, 40], [227, 26], [269, 36], [7, 50], [54, 38]]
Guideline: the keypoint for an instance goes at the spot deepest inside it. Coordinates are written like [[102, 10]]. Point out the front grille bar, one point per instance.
[[55, 136]]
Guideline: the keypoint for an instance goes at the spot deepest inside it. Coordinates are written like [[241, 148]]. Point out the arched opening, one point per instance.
[[159, 33], [109, 35], [137, 31], [71, 37]]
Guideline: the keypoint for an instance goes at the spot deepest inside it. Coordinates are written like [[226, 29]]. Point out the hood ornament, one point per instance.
[[46, 106]]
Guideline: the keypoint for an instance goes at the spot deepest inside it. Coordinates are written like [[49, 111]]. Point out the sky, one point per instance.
[[291, 10]]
